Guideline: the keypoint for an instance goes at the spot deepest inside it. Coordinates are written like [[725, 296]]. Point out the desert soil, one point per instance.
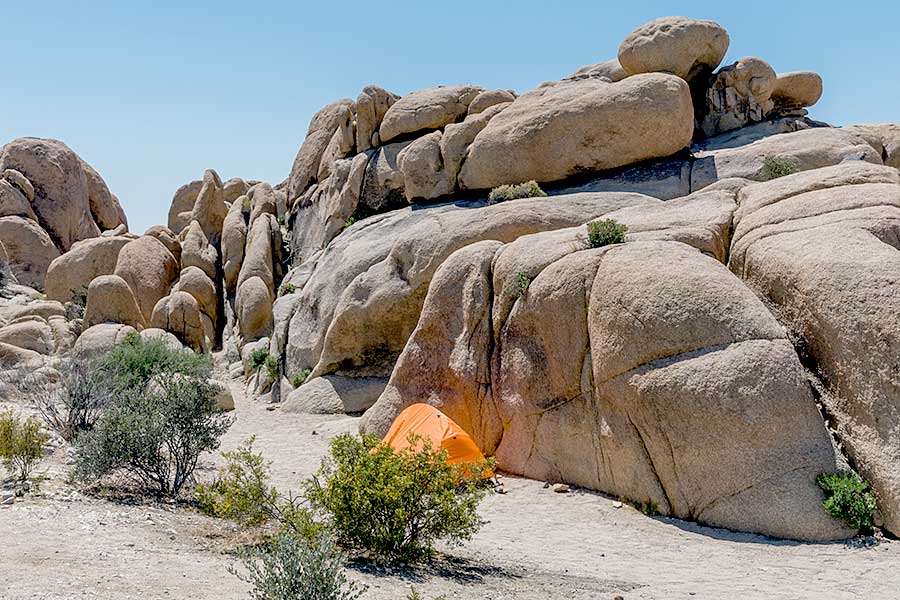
[[59, 544]]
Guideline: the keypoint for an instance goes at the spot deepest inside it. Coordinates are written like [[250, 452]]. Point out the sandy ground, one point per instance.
[[59, 544]]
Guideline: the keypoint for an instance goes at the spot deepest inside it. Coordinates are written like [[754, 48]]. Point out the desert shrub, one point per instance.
[[273, 368], [778, 166], [395, 504], [605, 232], [21, 444], [520, 287], [286, 289], [290, 568], [848, 499], [75, 307], [154, 435], [300, 378], [529, 189], [74, 402], [241, 491], [414, 595], [132, 364], [258, 358]]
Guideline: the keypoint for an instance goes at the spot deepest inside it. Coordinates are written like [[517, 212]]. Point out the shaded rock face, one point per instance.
[[617, 391]]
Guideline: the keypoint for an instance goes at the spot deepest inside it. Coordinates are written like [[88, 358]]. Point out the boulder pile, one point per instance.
[[741, 341]]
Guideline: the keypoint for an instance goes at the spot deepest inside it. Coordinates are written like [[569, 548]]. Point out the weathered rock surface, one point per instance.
[[688, 48], [254, 308], [197, 251], [29, 249], [210, 209], [111, 300], [639, 118], [332, 394], [822, 247], [610, 69], [179, 313], [371, 105], [432, 108], [13, 202], [61, 192], [797, 89], [100, 339], [321, 129], [183, 205], [70, 275], [738, 95], [149, 269], [885, 139], [32, 334]]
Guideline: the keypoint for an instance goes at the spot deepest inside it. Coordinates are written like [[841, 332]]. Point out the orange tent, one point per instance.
[[430, 423]]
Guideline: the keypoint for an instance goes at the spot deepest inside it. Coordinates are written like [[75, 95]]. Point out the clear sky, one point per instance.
[[152, 93]]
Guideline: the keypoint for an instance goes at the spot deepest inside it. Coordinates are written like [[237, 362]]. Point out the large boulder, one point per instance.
[[383, 185], [254, 308], [33, 334], [610, 69], [234, 236], [104, 206], [13, 201], [262, 254], [179, 313], [822, 247], [99, 339], [363, 299], [195, 282], [321, 129], [168, 238], [70, 275], [797, 89], [579, 126], [61, 191], [371, 105], [210, 209], [688, 48], [198, 251], [110, 300], [29, 250], [432, 108], [738, 95], [183, 205], [607, 372], [149, 269], [332, 395]]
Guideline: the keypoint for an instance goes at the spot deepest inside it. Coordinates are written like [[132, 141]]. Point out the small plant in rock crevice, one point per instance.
[[520, 286], [300, 378], [778, 166], [273, 367], [286, 289], [258, 358], [605, 232], [528, 189], [849, 499]]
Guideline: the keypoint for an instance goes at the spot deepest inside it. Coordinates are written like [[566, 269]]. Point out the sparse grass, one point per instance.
[[605, 232], [300, 378], [528, 189], [778, 166], [848, 499], [21, 444], [520, 287]]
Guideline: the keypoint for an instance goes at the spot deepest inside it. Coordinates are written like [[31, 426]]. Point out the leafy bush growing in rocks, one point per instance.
[[21, 444], [605, 232], [849, 500], [258, 358], [273, 368], [164, 417], [529, 189], [396, 503], [778, 166], [300, 378], [290, 568], [521, 284], [286, 289]]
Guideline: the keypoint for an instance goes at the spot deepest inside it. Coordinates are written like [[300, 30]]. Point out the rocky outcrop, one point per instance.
[[70, 274], [425, 110], [149, 269], [638, 118], [29, 250], [822, 247], [111, 300], [687, 48], [321, 129], [182, 206]]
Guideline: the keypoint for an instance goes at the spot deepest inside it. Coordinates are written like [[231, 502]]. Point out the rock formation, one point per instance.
[[742, 340]]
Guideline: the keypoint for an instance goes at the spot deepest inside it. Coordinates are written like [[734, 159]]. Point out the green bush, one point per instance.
[[529, 189], [163, 418], [300, 378], [605, 232], [395, 504], [286, 289], [778, 166], [241, 490], [132, 364], [848, 499], [414, 595], [520, 287], [258, 358], [273, 368], [21, 444], [290, 568]]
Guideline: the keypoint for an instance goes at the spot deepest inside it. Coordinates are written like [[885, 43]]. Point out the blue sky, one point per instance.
[[152, 93]]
